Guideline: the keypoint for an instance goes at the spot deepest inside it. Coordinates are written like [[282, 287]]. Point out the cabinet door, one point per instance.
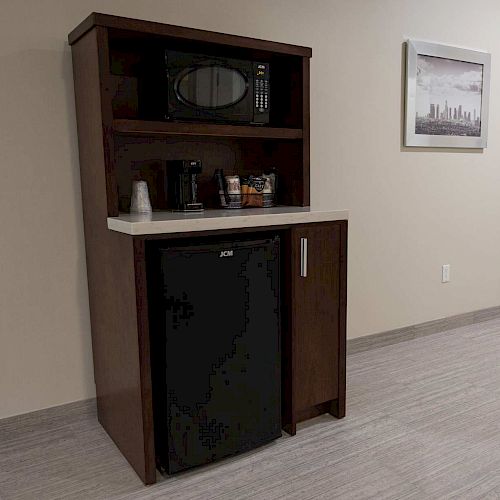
[[317, 321]]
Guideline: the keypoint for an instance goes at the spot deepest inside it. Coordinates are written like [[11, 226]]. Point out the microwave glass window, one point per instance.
[[212, 87]]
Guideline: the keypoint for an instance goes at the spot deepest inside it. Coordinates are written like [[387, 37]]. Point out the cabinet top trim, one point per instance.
[[180, 32]]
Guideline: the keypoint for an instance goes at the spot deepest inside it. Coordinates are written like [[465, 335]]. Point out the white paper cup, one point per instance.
[[140, 203]]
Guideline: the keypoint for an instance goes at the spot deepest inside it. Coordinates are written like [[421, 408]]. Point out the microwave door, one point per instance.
[[192, 92], [202, 92], [204, 88], [234, 93]]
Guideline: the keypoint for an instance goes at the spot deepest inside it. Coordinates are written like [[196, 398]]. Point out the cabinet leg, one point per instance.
[[337, 408], [290, 429]]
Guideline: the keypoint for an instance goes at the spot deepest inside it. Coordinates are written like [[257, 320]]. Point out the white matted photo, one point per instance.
[[447, 96]]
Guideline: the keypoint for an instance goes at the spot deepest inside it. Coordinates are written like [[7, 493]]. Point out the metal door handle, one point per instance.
[[303, 257]]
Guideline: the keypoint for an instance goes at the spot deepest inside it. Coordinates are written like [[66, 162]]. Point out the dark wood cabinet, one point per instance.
[[315, 325], [116, 142]]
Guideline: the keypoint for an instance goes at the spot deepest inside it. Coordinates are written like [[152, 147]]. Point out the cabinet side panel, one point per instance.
[[106, 92], [306, 99], [142, 305], [339, 408], [111, 278]]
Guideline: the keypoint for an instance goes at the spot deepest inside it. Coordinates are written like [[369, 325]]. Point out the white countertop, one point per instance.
[[213, 219]]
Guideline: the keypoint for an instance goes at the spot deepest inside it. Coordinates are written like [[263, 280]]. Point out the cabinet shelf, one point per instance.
[[155, 128]]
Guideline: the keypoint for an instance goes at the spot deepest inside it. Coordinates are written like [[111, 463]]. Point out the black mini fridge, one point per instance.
[[216, 359]]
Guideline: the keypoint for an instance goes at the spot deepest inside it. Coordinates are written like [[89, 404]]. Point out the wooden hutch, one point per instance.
[[120, 141]]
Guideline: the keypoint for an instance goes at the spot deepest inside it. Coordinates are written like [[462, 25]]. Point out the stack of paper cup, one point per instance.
[[140, 203]]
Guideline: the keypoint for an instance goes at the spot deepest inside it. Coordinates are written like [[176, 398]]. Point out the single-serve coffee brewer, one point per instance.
[[182, 187]]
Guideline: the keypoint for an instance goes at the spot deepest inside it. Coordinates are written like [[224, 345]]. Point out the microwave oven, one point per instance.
[[206, 88]]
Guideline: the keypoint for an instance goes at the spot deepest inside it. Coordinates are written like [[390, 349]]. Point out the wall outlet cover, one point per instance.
[[445, 273]]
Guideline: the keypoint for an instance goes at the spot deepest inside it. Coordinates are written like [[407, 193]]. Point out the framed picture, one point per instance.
[[447, 96]]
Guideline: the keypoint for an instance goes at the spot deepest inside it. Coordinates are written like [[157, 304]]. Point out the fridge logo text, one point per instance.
[[226, 253]]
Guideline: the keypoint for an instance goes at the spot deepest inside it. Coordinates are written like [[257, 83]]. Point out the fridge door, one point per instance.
[[222, 353]]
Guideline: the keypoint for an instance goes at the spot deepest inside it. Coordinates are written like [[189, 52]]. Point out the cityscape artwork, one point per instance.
[[447, 96]]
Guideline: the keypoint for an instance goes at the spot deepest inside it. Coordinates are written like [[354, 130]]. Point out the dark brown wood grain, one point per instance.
[[106, 88], [313, 411], [315, 371], [141, 294], [338, 408], [121, 386], [155, 128], [236, 156], [171, 31], [306, 131]]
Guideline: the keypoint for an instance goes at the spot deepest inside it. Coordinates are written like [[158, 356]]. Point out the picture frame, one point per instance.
[[447, 96]]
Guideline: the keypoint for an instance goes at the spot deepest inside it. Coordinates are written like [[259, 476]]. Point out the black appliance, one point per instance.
[[218, 89], [215, 351], [182, 186]]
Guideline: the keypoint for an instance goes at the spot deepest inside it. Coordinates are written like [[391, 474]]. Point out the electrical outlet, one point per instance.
[[445, 273]]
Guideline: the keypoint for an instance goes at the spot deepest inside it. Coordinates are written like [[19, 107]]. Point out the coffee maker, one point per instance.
[[182, 188]]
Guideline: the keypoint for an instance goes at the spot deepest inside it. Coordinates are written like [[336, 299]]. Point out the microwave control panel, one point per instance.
[[261, 92]]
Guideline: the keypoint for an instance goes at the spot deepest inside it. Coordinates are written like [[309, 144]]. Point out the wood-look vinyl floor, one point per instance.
[[423, 422]]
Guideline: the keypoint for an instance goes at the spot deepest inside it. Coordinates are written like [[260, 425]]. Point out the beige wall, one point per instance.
[[411, 211]]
